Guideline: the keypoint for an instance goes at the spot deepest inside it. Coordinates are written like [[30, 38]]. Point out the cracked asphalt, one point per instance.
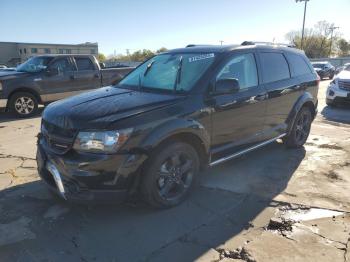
[[273, 204]]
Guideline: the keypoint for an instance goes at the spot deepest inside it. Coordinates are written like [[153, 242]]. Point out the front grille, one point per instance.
[[59, 140], [344, 85]]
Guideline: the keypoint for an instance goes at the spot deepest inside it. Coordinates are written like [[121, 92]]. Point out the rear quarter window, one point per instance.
[[274, 67], [298, 65]]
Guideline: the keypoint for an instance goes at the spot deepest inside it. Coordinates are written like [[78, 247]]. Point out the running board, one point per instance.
[[224, 159]]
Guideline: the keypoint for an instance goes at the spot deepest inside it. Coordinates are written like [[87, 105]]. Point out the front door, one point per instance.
[[58, 82], [238, 118]]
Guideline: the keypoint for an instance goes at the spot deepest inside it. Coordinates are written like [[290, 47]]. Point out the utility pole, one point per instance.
[[302, 32], [332, 28], [221, 42]]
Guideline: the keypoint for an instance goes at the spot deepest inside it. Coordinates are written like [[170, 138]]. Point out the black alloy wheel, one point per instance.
[[170, 174]]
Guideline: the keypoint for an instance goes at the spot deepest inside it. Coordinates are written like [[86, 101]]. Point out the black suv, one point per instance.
[[176, 113]]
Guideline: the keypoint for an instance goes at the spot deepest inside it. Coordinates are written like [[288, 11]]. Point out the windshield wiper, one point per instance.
[[178, 74]]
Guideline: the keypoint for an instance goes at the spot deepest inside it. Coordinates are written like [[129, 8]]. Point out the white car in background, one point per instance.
[[338, 91]]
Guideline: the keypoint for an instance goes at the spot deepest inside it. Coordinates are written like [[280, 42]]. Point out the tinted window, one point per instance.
[[298, 65], [243, 68], [62, 65], [274, 67], [84, 63]]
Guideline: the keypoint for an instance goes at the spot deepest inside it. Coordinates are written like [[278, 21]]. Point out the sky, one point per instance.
[[118, 25]]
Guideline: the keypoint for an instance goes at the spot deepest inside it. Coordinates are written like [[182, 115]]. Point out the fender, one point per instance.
[[176, 127], [305, 98]]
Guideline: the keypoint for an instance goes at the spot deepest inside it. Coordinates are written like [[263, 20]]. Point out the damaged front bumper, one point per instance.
[[88, 177]]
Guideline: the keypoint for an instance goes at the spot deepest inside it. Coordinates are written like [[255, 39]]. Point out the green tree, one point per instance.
[[101, 57], [344, 47]]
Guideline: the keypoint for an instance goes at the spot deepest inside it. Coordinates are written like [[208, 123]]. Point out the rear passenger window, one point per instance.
[[274, 67], [298, 65], [84, 63]]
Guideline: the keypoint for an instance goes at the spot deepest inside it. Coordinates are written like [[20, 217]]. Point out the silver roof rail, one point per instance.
[[267, 43]]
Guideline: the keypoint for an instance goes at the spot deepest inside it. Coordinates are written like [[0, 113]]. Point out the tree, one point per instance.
[[101, 57], [317, 40], [137, 56], [344, 47]]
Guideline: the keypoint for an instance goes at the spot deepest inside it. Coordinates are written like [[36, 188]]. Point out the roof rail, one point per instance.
[[266, 43]]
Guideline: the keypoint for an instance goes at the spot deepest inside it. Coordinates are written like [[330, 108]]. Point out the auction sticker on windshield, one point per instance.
[[200, 57]]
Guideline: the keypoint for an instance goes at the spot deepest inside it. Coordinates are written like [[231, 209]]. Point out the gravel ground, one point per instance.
[[273, 204]]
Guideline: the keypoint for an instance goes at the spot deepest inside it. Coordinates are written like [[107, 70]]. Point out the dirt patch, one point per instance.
[[334, 147], [281, 225], [333, 175], [238, 253]]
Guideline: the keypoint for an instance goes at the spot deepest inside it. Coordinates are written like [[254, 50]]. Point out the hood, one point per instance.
[[100, 108], [344, 75], [7, 75]]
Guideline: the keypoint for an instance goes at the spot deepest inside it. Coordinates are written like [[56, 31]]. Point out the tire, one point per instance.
[[23, 104], [300, 130], [170, 174]]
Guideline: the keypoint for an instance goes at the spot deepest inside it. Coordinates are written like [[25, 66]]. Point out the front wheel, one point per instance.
[[170, 174], [300, 130], [23, 104]]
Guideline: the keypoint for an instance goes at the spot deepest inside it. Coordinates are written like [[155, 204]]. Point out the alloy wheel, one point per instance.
[[303, 127], [24, 105], [175, 175]]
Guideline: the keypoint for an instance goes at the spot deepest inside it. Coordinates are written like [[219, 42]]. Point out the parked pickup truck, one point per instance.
[[47, 78]]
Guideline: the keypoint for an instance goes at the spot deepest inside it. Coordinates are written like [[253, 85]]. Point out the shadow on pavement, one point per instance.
[[339, 114], [230, 196], [9, 117]]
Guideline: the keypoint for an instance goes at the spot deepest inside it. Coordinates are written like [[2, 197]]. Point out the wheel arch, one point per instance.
[[26, 90], [306, 100]]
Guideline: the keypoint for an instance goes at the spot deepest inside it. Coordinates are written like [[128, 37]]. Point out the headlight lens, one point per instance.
[[101, 142]]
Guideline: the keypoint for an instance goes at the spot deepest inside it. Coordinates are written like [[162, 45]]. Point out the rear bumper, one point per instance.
[[88, 177]]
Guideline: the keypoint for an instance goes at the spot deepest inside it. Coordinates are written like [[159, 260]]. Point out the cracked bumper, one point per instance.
[[88, 177]]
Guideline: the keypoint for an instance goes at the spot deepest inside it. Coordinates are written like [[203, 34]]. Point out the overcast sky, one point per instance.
[[118, 25]]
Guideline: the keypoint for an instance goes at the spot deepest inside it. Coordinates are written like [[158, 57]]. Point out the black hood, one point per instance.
[[101, 108], [6, 75]]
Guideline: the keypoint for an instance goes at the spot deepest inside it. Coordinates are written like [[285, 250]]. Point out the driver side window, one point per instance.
[[62, 65], [243, 68]]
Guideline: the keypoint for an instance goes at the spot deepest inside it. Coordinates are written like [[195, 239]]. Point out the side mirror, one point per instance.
[[102, 65], [226, 86], [52, 71]]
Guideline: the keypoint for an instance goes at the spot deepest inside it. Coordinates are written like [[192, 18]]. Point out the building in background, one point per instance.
[[12, 53]]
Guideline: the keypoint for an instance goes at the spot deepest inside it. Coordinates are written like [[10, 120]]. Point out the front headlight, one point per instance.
[[101, 142]]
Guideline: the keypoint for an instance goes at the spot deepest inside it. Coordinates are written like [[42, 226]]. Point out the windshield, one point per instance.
[[34, 64], [169, 72], [318, 65]]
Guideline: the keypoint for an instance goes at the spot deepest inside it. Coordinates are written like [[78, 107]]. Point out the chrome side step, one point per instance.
[[226, 158]]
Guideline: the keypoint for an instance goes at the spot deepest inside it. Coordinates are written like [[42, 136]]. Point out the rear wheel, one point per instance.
[[170, 174], [300, 130], [23, 104]]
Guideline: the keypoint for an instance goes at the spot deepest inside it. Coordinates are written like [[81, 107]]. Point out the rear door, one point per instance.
[[87, 74], [238, 118], [282, 91], [58, 82]]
